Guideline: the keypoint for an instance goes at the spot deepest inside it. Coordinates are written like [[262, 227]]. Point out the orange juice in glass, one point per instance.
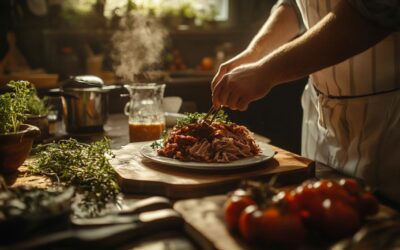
[[146, 116]]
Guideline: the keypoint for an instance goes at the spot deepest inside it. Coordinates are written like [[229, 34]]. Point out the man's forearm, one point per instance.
[[281, 27], [339, 35]]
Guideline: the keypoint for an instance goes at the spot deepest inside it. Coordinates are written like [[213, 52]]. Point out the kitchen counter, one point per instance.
[[117, 130]]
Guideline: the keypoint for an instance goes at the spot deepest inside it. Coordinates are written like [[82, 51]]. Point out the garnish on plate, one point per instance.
[[190, 118]]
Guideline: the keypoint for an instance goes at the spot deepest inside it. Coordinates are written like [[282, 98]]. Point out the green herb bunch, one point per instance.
[[86, 167], [14, 106], [221, 116], [36, 106]]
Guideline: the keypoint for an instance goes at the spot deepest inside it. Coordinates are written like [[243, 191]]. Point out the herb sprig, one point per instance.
[[160, 143], [221, 116], [86, 167]]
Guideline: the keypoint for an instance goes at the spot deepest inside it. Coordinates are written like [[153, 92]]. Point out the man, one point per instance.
[[351, 104]]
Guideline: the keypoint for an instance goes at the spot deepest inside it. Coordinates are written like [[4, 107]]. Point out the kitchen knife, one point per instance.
[[126, 212], [106, 236]]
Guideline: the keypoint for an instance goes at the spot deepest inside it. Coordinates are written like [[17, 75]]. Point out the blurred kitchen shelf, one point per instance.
[[40, 80]]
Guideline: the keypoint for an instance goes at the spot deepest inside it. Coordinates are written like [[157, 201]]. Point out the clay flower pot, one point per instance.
[[15, 147]]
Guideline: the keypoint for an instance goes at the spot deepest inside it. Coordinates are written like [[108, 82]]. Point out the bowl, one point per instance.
[[15, 147], [172, 104]]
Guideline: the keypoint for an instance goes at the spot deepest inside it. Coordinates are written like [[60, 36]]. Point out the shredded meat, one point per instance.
[[215, 142]]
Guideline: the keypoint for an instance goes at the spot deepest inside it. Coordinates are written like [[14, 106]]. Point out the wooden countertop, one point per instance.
[[117, 130]]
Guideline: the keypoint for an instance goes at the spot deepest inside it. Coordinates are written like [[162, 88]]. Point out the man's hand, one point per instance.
[[241, 86], [226, 67], [281, 26], [223, 69]]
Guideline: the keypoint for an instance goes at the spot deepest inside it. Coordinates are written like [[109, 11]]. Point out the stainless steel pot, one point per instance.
[[85, 103], [87, 111]]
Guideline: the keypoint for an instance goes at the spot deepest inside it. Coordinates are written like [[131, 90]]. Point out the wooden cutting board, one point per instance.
[[204, 223], [139, 175]]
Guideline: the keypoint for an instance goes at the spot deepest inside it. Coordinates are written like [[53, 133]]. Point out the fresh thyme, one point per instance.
[[84, 166], [160, 143], [221, 116], [157, 144]]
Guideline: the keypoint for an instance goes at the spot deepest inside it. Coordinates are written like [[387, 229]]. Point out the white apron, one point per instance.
[[357, 136]]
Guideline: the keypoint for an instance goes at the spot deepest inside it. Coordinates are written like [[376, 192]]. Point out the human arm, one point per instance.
[[281, 26], [339, 35]]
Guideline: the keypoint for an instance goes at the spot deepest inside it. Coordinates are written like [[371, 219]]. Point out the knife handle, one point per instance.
[[106, 237]]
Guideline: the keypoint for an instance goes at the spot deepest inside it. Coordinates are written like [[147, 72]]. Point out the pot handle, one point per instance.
[[127, 109], [59, 92], [112, 87], [32, 132]]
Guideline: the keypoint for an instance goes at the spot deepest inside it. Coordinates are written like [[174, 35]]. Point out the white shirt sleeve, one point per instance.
[[296, 9]]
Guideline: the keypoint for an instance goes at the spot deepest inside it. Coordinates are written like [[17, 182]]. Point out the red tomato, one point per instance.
[[233, 208], [250, 223], [332, 190], [310, 202], [282, 230], [340, 220], [351, 186], [369, 205], [239, 192], [286, 200]]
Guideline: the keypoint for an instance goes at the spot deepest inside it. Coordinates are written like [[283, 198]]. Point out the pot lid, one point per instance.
[[83, 81]]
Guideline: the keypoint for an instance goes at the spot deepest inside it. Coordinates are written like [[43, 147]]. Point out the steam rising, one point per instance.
[[137, 44]]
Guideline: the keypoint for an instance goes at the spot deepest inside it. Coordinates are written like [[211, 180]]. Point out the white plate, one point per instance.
[[266, 153]]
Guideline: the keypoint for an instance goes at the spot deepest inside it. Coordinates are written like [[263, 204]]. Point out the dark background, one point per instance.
[[51, 43]]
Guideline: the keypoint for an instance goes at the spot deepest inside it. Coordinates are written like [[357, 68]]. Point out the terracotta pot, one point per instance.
[[42, 123], [15, 147]]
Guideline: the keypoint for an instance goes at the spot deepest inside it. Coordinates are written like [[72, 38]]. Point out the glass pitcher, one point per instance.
[[145, 112]]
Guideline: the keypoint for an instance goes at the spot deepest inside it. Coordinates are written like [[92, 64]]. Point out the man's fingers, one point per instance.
[[242, 104], [224, 91], [215, 80], [221, 72], [233, 99], [216, 92]]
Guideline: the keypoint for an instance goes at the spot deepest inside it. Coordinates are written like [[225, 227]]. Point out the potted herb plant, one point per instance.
[[16, 138], [37, 113]]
